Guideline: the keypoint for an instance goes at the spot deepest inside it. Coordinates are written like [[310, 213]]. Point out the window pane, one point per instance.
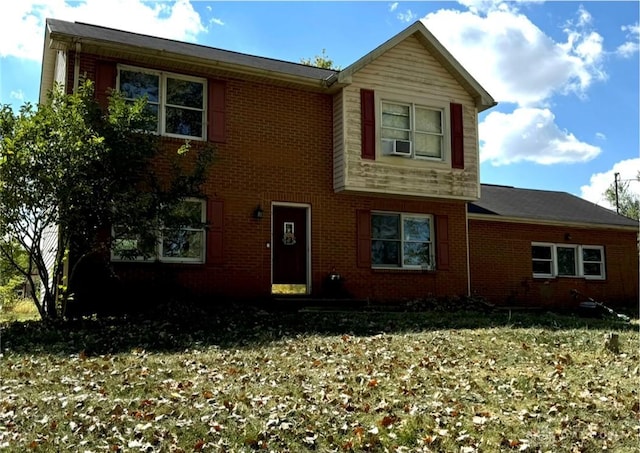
[[416, 254], [131, 246], [182, 244], [396, 116], [428, 145], [184, 122], [385, 226], [191, 210], [541, 252], [185, 93], [137, 84], [592, 269], [416, 229], [566, 260], [152, 112], [385, 253], [591, 254], [187, 214], [395, 134], [428, 120], [542, 267]]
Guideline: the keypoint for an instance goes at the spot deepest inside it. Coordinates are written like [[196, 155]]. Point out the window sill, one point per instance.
[[394, 270], [569, 277], [155, 261]]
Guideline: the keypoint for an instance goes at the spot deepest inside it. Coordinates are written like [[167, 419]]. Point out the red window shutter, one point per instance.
[[363, 231], [457, 136], [216, 121], [442, 242], [368, 114], [215, 242], [106, 72]]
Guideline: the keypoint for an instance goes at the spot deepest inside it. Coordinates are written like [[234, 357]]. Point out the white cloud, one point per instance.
[[599, 182], [216, 21], [631, 47], [531, 135], [515, 60], [22, 22], [408, 16], [520, 64], [393, 6], [17, 94]]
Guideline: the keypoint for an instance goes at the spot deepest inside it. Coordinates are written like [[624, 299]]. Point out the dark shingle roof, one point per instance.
[[76, 29], [543, 205]]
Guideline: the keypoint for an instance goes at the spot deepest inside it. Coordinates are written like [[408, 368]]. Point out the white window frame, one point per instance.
[[201, 229], [158, 250], [602, 275], [402, 216], [162, 96], [413, 103], [576, 263], [579, 261], [550, 260]]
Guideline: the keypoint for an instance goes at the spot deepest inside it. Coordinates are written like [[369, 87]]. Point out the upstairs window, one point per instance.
[[176, 102], [401, 241], [412, 130]]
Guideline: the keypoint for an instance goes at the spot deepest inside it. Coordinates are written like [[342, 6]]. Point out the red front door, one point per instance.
[[289, 245]]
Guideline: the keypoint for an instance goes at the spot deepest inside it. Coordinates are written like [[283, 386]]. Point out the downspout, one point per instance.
[[76, 67], [466, 217]]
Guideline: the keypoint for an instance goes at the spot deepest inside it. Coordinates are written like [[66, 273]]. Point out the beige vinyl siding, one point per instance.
[[408, 71]]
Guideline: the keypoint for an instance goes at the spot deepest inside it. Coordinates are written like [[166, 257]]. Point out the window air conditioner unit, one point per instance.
[[402, 147]]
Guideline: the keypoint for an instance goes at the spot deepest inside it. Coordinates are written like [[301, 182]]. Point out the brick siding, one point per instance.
[[501, 266]]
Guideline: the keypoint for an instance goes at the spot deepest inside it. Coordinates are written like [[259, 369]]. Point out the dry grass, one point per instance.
[[399, 382], [19, 310]]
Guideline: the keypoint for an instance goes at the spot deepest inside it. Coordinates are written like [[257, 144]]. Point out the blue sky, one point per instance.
[[565, 74]]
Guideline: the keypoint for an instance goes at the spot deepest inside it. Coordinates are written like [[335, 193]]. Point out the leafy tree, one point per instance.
[[628, 202], [69, 171], [320, 61]]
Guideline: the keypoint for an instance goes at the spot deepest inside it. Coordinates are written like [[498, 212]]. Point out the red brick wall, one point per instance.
[[279, 149], [501, 267]]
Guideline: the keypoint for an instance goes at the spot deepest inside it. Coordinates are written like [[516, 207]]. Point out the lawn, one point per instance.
[[320, 381]]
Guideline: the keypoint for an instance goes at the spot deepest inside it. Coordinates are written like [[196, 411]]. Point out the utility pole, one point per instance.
[[615, 180]]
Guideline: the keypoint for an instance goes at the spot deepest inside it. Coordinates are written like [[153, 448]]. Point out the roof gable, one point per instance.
[[481, 97], [540, 206]]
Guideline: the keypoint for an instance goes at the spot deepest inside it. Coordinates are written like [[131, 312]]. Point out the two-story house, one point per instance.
[[364, 172]]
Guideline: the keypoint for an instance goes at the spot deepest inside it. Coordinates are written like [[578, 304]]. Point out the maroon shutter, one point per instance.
[[216, 121], [215, 233], [363, 231], [106, 72], [368, 114], [442, 242], [457, 136]]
